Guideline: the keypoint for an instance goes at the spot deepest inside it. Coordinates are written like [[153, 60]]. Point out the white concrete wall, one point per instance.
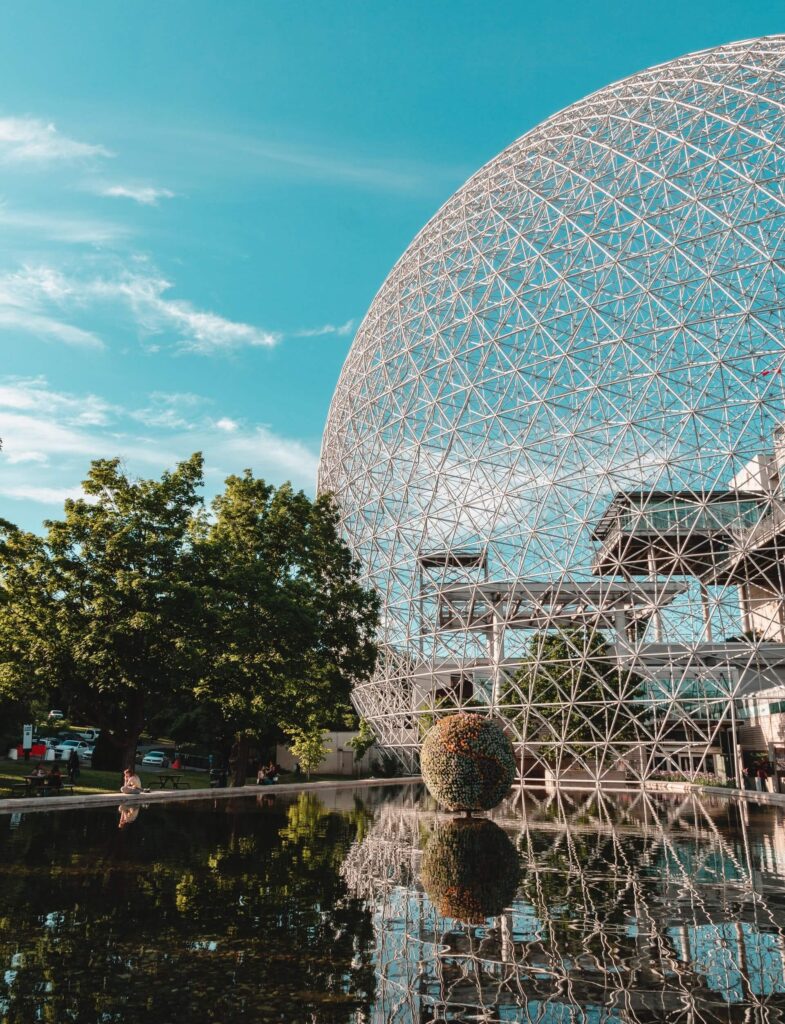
[[764, 613], [339, 761], [763, 731], [759, 475]]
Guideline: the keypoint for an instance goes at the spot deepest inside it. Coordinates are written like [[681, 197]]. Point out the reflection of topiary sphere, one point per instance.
[[467, 763], [470, 869]]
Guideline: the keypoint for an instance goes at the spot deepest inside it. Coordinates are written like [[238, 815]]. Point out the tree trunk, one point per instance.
[[128, 745], [135, 720], [240, 767], [114, 752]]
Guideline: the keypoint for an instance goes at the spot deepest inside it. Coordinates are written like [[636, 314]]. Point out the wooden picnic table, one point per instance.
[[40, 785], [177, 780]]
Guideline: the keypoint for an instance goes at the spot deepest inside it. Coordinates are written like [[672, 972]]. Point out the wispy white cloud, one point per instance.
[[199, 331], [36, 299], [27, 294], [145, 195], [46, 327], [171, 411], [310, 161], [32, 456], [58, 433], [340, 330], [62, 228], [41, 495], [31, 284], [32, 395], [24, 302], [29, 140]]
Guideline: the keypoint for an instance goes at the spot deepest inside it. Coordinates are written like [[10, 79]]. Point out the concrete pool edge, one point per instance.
[[689, 787], [9, 805], [753, 795]]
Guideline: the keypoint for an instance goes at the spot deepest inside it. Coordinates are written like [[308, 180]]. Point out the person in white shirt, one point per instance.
[[131, 783]]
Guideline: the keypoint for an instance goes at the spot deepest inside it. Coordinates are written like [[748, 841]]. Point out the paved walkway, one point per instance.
[[165, 796]]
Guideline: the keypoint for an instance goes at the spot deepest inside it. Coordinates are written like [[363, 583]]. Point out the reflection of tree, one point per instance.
[[226, 914]]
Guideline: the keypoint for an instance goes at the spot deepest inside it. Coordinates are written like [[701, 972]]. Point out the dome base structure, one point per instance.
[[558, 441]]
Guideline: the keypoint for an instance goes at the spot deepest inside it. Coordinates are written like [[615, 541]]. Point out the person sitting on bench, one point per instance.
[[54, 780], [267, 776]]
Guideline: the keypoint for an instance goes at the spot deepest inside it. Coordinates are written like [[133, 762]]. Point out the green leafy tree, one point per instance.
[[309, 746], [571, 687], [33, 656], [363, 741], [101, 608], [287, 625]]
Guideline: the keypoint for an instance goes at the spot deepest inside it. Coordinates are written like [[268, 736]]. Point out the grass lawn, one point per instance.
[[93, 781], [90, 780]]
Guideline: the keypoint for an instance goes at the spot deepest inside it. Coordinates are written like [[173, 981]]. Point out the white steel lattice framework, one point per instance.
[[557, 440]]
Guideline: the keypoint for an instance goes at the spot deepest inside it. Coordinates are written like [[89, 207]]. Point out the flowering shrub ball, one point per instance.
[[470, 870], [467, 763]]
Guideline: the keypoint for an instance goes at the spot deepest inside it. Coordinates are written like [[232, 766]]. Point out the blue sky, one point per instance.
[[198, 201]]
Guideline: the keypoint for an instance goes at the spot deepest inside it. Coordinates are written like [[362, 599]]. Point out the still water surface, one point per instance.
[[370, 906]]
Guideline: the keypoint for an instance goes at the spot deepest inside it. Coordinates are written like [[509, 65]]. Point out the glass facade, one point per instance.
[[679, 515]]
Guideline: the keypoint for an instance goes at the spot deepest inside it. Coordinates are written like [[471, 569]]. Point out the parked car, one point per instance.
[[55, 715], [82, 748], [90, 735], [156, 759]]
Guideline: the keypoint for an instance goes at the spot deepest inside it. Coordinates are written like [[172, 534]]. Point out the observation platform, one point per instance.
[[533, 605], [676, 533]]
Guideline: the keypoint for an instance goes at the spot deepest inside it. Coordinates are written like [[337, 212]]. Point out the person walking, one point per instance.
[[73, 766]]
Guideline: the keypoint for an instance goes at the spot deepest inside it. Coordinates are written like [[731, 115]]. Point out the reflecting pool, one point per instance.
[[371, 906]]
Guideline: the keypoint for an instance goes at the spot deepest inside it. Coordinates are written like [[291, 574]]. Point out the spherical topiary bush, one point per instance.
[[467, 763], [470, 869]]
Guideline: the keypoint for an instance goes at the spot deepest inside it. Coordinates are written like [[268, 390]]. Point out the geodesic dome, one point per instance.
[[556, 442]]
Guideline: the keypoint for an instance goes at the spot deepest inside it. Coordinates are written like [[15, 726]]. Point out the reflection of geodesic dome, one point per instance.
[[555, 444], [641, 910]]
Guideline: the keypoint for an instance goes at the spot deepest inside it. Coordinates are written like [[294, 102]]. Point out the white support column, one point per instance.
[[706, 607], [657, 614], [735, 742], [620, 625], [496, 652]]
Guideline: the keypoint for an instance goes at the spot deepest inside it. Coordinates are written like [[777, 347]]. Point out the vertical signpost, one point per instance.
[[27, 740]]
